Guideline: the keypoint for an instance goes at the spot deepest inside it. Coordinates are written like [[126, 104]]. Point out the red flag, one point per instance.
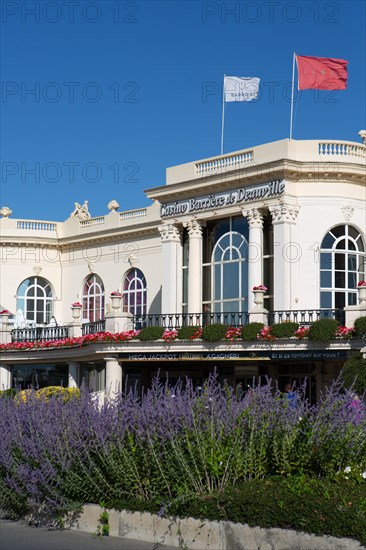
[[321, 73]]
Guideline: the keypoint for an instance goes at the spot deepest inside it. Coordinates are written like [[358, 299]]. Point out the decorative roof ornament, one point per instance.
[[113, 206], [5, 212], [81, 211], [362, 134]]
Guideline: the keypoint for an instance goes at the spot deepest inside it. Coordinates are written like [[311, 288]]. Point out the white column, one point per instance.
[[171, 293], [113, 377], [5, 377], [73, 374], [255, 260], [194, 266], [285, 254]]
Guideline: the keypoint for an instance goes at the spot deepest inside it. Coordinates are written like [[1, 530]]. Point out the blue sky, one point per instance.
[[122, 90]]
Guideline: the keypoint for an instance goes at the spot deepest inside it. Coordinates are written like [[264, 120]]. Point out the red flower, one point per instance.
[[76, 304], [5, 312], [260, 287], [362, 283]]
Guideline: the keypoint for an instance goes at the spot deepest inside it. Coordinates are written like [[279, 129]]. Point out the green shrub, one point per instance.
[[150, 333], [360, 326], [353, 373], [323, 330], [284, 330], [186, 333], [251, 331], [214, 333], [9, 393]]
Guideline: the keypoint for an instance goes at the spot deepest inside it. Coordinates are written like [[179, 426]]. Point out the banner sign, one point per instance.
[[219, 200], [275, 356]]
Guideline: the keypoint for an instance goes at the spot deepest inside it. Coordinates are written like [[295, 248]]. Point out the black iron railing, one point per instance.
[[37, 334], [178, 320], [93, 328], [305, 316]]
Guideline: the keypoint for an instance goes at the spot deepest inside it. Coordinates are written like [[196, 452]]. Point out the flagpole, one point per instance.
[[223, 118], [292, 93]]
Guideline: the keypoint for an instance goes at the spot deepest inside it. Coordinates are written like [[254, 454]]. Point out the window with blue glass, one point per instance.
[[225, 265], [342, 265], [35, 300]]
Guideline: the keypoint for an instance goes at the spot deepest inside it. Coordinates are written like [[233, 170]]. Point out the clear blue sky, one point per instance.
[[125, 89]]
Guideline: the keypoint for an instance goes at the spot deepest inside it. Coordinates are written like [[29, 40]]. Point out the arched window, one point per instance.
[[342, 265], [35, 299], [135, 292], [93, 299], [229, 278], [225, 265]]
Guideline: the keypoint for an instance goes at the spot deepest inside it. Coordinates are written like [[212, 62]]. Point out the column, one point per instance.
[[255, 260], [194, 266], [113, 377], [286, 254], [5, 377], [171, 293], [73, 374]]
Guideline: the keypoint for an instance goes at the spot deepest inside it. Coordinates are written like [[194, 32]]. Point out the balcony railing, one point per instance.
[[305, 316], [178, 320], [39, 334], [93, 328]]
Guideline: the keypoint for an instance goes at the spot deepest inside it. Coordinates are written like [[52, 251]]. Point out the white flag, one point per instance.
[[240, 88]]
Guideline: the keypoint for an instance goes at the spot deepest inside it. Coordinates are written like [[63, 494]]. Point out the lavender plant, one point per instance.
[[171, 442]]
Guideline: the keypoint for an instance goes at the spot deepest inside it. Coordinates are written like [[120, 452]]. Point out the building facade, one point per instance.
[[289, 215]]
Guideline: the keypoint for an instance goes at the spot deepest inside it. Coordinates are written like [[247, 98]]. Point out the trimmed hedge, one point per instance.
[[186, 333], [360, 326], [353, 373], [150, 333], [284, 330], [214, 332], [250, 332], [323, 330], [303, 504]]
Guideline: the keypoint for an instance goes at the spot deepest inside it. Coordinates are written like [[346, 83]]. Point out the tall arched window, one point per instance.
[[342, 265], [135, 292], [225, 266], [93, 298], [35, 299]]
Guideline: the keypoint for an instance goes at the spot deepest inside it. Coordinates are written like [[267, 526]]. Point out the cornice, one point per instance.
[[297, 171]]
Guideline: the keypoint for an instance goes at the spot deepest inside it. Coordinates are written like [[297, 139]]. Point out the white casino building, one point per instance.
[[290, 215]]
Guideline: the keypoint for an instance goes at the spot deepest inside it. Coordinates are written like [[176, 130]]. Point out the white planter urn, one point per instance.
[[76, 312], [259, 298], [116, 302], [362, 295], [4, 318]]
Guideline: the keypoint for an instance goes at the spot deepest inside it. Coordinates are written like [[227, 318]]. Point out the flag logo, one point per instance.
[[240, 88]]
